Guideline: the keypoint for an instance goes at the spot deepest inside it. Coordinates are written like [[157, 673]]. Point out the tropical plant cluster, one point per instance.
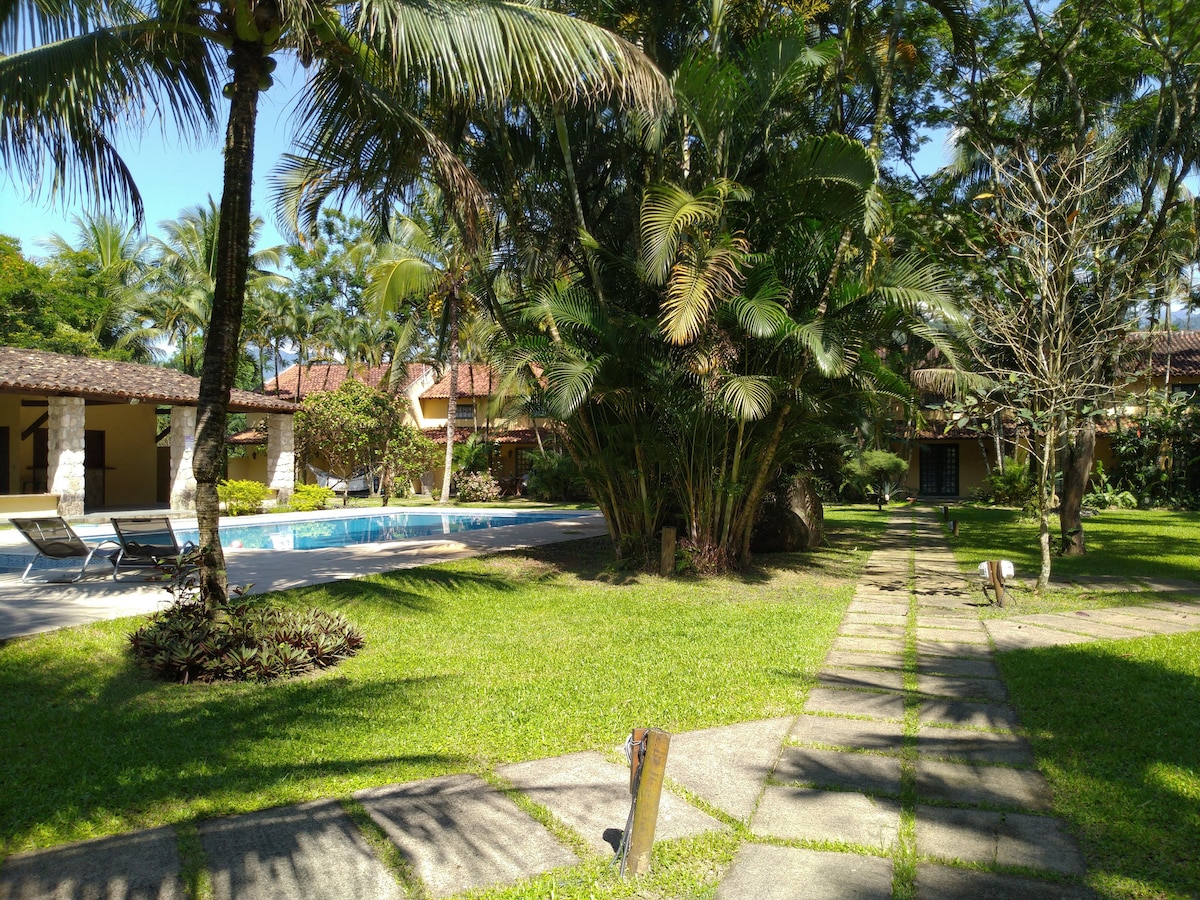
[[191, 641], [692, 239], [249, 642]]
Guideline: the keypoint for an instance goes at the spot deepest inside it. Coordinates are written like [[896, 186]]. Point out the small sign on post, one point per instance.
[[994, 572], [647, 767]]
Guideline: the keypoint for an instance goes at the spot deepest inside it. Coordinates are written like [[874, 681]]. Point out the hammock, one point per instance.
[[356, 483]]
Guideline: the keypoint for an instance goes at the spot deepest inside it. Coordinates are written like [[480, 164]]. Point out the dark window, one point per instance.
[[465, 411], [939, 470]]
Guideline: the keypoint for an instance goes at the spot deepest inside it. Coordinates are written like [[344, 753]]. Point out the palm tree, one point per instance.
[[185, 274], [427, 263], [116, 253], [68, 70]]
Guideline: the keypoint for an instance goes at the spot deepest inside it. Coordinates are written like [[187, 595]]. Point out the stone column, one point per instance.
[[65, 443], [183, 439], [281, 455]]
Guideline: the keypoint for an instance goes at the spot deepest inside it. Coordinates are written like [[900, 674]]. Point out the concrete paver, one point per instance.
[[996, 747], [957, 667], [459, 833], [995, 786], [591, 795], [858, 628], [858, 644], [966, 714], [307, 852], [728, 766], [855, 703], [862, 679], [140, 866], [766, 872], [860, 734], [927, 647], [961, 688], [798, 813], [936, 882], [1002, 839], [864, 772], [850, 659], [1017, 635], [1082, 623]]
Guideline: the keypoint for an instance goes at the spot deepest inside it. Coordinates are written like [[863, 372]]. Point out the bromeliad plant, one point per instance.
[[246, 641]]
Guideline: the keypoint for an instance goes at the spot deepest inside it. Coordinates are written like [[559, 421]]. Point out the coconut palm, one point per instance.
[[428, 265], [70, 70], [116, 254]]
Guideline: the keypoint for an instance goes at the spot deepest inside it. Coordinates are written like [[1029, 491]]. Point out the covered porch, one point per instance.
[[81, 435]]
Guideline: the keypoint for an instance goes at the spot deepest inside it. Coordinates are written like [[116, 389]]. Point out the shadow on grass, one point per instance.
[[1114, 726], [89, 743]]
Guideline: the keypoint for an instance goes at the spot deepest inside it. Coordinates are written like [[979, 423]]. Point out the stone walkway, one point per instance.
[[907, 768]]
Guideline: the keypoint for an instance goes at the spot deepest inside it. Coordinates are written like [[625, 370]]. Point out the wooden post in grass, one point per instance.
[[954, 527], [945, 513], [647, 773], [667, 563]]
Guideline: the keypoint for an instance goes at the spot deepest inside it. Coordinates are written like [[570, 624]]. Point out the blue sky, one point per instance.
[[174, 177]]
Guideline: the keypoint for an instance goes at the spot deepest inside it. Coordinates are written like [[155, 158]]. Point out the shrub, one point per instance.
[[554, 476], [477, 487], [248, 642], [1010, 484], [311, 497], [1104, 495], [242, 498]]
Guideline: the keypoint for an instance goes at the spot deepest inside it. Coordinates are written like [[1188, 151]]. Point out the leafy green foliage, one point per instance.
[[1010, 484], [1105, 495], [242, 498], [1158, 457], [877, 473], [310, 497], [477, 487], [554, 476], [190, 642]]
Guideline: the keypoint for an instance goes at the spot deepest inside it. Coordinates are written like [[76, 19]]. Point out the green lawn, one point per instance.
[[510, 657], [1116, 729], [1154, 543]]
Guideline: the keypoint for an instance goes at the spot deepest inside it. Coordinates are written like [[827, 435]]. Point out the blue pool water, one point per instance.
[[368, 528]]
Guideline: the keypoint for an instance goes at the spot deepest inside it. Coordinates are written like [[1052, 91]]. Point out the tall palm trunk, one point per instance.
[[452, 403], [224, 331]]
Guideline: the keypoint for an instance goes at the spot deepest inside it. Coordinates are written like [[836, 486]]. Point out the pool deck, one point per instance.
[[32, 608]]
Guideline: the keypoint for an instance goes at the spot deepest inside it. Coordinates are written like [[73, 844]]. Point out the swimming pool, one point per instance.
[[289, 533]]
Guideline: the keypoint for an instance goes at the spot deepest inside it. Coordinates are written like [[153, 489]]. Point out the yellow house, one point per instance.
[[478, 409], [81, 435], [947, 462]]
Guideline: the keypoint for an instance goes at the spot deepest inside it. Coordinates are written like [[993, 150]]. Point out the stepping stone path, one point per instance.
[[906, 769]]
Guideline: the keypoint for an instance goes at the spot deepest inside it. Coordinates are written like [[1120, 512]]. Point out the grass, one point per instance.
[[1123, 545], [1114, 725], [1132, 543], [505, 658]]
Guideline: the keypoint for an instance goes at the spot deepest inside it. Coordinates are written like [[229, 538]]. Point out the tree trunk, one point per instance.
[[452, 403], [803, 501], [1078, 456], [1045, 488], [223, 335]]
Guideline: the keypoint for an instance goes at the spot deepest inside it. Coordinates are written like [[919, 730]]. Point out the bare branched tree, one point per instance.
[[1051, 318]]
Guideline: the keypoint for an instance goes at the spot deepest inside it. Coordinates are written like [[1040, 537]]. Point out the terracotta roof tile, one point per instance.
[[329, 376], [473, 382], [39, 372], [515, 436], [1184, 348]]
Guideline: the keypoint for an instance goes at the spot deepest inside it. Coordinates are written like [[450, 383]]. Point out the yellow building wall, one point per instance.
[[251, 467], [10, 416], [130, 456]]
